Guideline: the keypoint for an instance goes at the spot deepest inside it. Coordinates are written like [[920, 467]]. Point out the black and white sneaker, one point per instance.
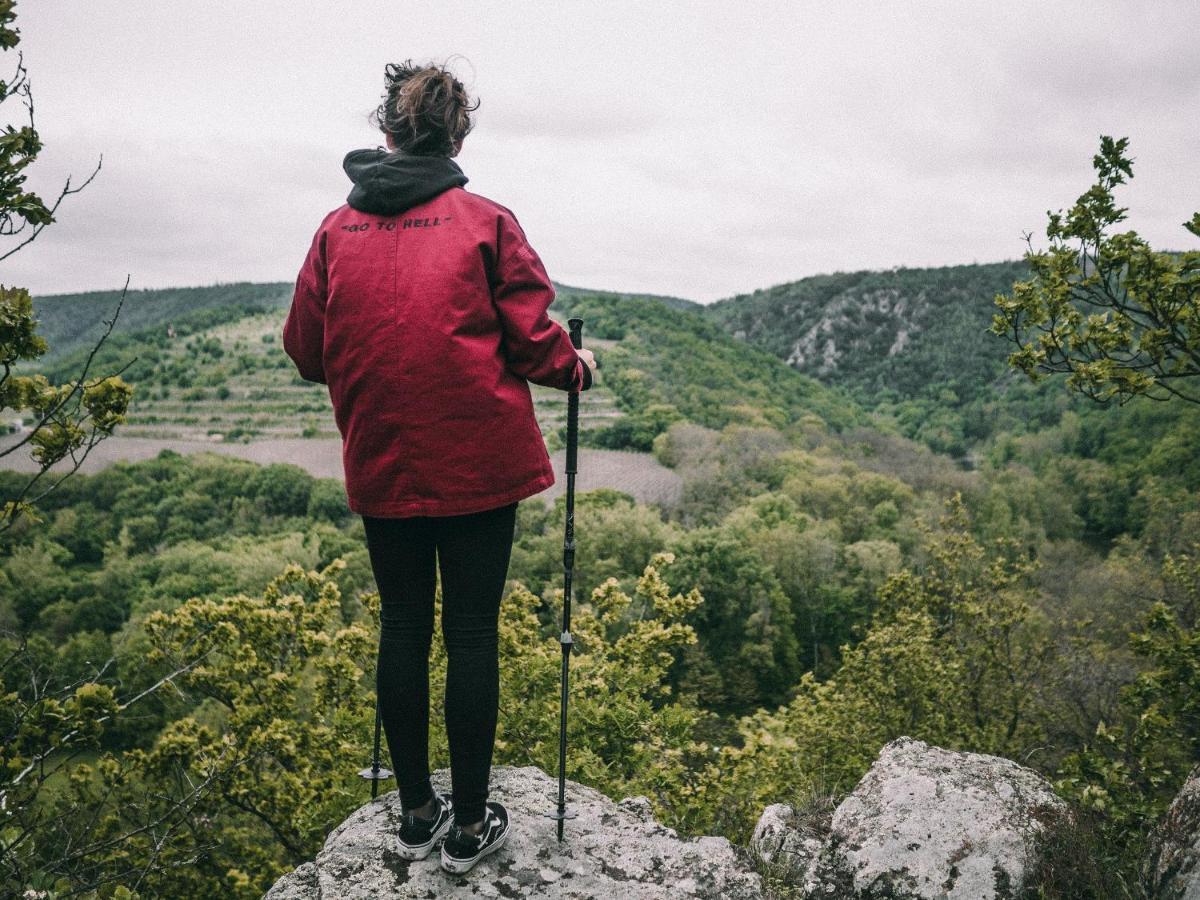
[[461, 849], [418, 835]]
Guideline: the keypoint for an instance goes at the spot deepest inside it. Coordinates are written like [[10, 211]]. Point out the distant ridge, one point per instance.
[[898, 332], [675, 302], [912, 344], [73, 320], [210, 366]]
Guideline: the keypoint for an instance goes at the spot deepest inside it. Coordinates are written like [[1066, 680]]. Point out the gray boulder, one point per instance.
[[1173, 864], [609, 850], [928, 823]]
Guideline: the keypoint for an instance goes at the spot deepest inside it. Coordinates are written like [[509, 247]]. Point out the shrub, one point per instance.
[[327, 500]]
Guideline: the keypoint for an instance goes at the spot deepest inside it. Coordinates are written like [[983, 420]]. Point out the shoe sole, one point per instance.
[[420, 851], [462, 866]]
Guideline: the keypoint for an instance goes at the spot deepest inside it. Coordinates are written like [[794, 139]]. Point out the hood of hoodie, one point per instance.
[[389, 183]]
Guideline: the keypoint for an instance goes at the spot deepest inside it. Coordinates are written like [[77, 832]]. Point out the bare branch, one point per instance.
[[66, 191]]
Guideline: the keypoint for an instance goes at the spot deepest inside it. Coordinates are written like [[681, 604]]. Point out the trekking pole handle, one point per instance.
[[576, 328]]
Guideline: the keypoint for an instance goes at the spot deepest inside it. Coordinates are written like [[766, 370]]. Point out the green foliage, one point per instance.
[[722, 468], [249, 782], [808, 563], [635, 431], [1120, 318], [1103, 473], [19, 338], [1132, 767], [621, 535], [677, 360], [629, 734], [71, 418], [830, 531], [251, 658], [954, 656], [224, 796], [41, 725], [907, 343], [283, 489], [19, 147], [327, 501], [750, 654], [155, 533]]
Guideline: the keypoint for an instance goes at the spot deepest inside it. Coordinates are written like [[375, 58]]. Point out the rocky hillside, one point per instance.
[[894, 334], [895, 331], [911, 345]]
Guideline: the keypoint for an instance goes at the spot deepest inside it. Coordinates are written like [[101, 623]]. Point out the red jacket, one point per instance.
[[426, 319]]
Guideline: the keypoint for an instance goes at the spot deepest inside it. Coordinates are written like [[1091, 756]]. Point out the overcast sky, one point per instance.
[[694, 149]]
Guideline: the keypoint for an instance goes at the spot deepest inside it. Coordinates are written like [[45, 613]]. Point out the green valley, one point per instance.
[[892, 536]]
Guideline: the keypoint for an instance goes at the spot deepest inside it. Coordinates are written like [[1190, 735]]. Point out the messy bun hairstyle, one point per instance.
[[425, 109]]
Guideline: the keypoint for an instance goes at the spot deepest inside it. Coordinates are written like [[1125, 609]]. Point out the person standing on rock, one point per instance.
[[423, 308]]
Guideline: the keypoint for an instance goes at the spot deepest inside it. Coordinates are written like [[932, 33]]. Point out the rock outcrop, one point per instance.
[[610, 849], [922, 823], [1173, 865]]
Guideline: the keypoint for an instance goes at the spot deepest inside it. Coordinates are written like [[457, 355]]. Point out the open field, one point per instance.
[[233, 382], [639, 474]]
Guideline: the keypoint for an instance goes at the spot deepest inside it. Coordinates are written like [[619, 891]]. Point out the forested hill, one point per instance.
[[208, 363], [70, 322], [567, 292], [910, 343], [887, 335], [897, 331], [817, 587]]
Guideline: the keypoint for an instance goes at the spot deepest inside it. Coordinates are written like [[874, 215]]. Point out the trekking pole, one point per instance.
[[576, 329], [375, 772]]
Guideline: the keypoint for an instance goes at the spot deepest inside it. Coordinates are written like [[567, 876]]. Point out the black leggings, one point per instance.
[[472, 552]]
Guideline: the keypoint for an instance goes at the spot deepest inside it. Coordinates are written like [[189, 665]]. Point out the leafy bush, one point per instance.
[[327, 501]]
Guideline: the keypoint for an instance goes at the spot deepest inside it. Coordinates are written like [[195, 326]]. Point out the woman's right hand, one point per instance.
[[588, 358]]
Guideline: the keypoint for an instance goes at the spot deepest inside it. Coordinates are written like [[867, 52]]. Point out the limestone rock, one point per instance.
[[929, 823], [788, 841], [609, 850], [1173, 865]]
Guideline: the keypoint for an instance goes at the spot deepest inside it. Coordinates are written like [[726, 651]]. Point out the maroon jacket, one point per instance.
[[422, 307]]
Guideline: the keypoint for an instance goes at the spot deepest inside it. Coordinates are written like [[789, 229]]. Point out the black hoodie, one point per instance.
[[389, 183]]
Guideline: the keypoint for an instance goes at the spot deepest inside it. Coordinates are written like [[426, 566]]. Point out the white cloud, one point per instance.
[[697, 149]]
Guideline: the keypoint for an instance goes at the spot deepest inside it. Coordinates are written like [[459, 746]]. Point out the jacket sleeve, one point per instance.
[[304, 330], [536, 347]]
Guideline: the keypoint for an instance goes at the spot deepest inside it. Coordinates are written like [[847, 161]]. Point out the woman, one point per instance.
[[423, 308]]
